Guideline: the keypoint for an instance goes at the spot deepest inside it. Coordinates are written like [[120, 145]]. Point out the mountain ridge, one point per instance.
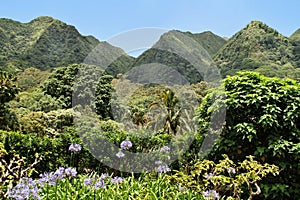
[[44, 43], [254, 46]]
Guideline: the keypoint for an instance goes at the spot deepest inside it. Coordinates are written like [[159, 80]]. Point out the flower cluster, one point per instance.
[[231, 170], [52, 177], [208, 176], [211, 194], [27, 188], [165, 149], [162, 168], [116, 180], [75, 148], [120, 154], [126, 144], [96, 182]]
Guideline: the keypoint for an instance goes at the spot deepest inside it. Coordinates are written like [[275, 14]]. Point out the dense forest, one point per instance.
[[221, 117]]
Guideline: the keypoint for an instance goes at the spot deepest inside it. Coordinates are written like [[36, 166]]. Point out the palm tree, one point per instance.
[[173, 112]]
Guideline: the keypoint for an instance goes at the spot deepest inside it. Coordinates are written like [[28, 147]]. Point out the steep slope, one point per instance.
[[295, 38], [181, 51], [257, 45], [45, 43], [210, 42], [295, 35]]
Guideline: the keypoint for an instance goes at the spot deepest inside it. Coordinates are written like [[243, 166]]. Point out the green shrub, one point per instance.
[[262, 119], [54, 151], [51, 123], [226, 178]]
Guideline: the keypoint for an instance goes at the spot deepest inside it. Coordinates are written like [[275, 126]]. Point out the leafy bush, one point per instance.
[[35, 100], [263, 120], [60, 83], [8, 91], [227, 179], [72, 186], [42, 123], [31, 78], [54, 151]]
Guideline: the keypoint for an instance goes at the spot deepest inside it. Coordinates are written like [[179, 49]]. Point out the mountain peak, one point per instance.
[[43, 43], [207, 39], [43, 18], [256, 23], [296, 35], [45, 21], [254, 46]]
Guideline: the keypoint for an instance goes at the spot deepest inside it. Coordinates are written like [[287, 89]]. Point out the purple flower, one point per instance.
[[26, 189], [126, 144], [120, 154], [87, 181], [47, 178], [70, 172], [181, 189], [165, 149], [163, 168], [209, 194], [75, 148], [60, 173], [207, 176], [104, 176], [99, 184], [96, 182], [116, 180], [51, 178], [231, 170]]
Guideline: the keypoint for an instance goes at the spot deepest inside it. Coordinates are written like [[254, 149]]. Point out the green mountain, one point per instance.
[[255, 46], [189, 55], [46, 43], [295, 38], [211, 42], [295, 35]]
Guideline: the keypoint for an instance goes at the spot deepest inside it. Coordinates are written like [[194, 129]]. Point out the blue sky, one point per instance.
[[104, 19]]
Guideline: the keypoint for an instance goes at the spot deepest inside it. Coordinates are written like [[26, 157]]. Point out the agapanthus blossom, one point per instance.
[[70, 172], [165, 149], [231, 170], [47, 178], [87, 181], [163, 168], [104, 176], [120, 154], [99, 184], [126, 144], [207, 176], [51, 178], [26, 189], [75, 148], [96, 182], [211, 194], [116, 180]]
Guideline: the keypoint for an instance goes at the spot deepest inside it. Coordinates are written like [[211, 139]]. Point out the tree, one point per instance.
[[170, 104], [8, 91], [103, 97], [60, 83], [262, 119]]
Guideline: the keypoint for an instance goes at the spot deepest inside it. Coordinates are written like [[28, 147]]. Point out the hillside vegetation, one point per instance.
[[74, 110], [187, 53], [256, 47], [44, 43]]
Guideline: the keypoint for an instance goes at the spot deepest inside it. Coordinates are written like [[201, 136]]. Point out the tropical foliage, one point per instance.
[[50, 148], [262, 119]]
